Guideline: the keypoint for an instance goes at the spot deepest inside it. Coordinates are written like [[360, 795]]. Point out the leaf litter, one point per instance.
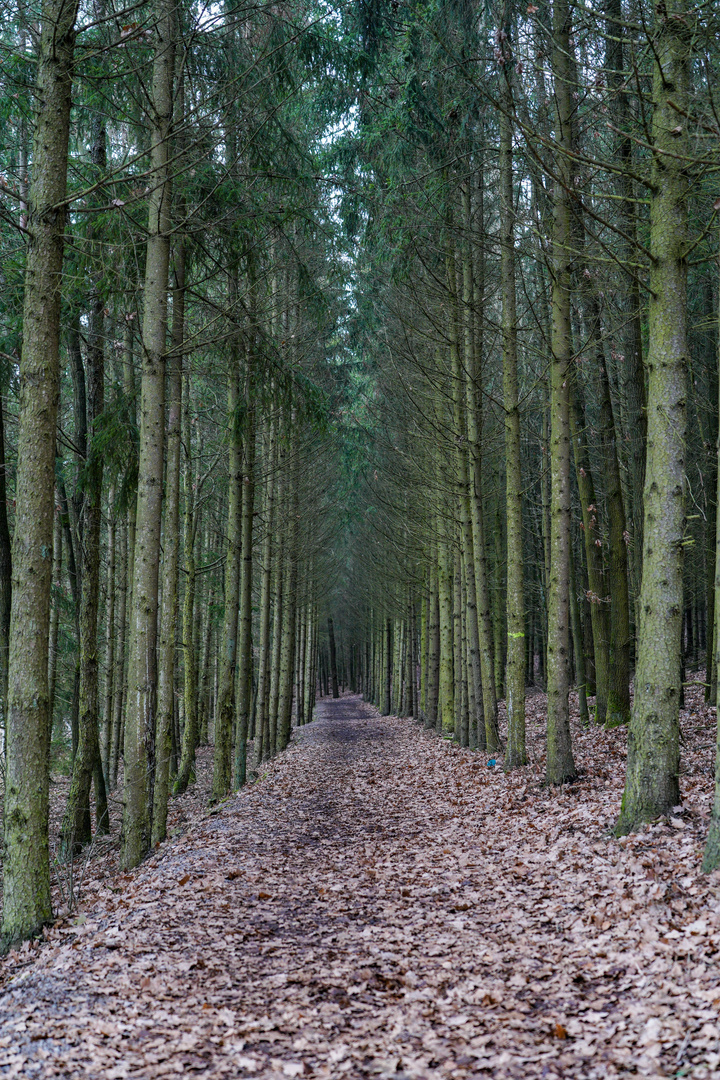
[[383, 904]]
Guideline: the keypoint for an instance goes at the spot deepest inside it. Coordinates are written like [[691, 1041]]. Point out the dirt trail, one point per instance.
[[383, 904]]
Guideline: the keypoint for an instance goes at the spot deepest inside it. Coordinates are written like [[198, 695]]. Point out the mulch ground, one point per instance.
[[383, 904]]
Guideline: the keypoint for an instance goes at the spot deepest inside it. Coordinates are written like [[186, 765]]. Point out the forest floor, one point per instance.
[[384, 904]]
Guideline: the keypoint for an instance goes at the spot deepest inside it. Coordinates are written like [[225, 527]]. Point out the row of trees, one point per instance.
[[174, 375], [403, 313], [537, 304]]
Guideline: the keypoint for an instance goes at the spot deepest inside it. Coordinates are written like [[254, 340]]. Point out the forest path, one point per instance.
[[381, 904]]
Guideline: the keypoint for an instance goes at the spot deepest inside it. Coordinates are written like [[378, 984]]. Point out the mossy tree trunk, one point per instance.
[[26, 865], [6, 581], [651, 781]]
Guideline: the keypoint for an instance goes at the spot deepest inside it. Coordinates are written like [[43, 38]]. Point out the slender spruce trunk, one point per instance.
[[225, 706], [460, 404], [433, 676], [515, 754], [560, 765], [76, 829], [287, 649], [262, 736], [279, 599], [333, 658], [6, 583], [118, 674], [651, 781], [140, 717], [310, 661], [387, 668], [633, 374], [445, 591], [171, 555], [27, 903], [597, 583], [578, 650], [618, 699], [109, 636], [711, 857], [477, 508], [245, 652], [190, 730], [54, 615]]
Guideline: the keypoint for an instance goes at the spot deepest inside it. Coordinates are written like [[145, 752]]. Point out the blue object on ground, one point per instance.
[[491, 762]]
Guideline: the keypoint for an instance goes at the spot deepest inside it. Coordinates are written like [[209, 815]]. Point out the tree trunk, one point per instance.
[[6, 584], [560, 763], [54, 616], [245, 652], [711, 858], [190, 730], [119, 672], [76, 830], [333, 658], [597, 586], [387, 668], [477, 509], [109, 636], [515, 755], [651, 781], [618, 699], [142, 662], [26, 867], [446, 711], [171, 553], [461, 401], [287, 650], [225, 706], [433, 676], [629, 287], [262, 737]]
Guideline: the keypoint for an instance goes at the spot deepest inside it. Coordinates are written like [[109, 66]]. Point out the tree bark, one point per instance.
[[190, 730], [560, 766], [142, 660], [6, 581], [651, 781], [515, 754], [618, 698], [171, 554], [76, 828], [27, 903], [333, 658], [597, 586], [262, 736], [245, 653], [225, 707]]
